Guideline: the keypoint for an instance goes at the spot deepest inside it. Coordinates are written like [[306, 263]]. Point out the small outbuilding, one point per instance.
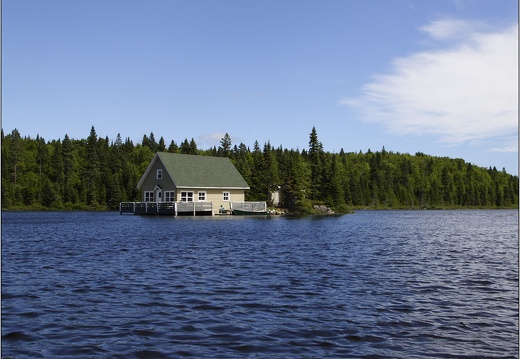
[[179, 178]]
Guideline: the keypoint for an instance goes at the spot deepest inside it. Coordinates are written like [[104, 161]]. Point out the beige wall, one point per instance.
[[215, 196], [212, 195]]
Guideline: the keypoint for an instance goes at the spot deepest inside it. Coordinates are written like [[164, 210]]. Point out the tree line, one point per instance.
[[96, 173]]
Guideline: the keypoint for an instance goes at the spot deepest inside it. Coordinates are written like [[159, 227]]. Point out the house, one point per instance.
[[173, 177]]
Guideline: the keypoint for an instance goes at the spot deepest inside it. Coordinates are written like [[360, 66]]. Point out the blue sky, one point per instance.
[[438, 77]]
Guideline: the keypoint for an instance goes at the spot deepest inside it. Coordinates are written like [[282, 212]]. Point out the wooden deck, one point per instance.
[[167, 208]]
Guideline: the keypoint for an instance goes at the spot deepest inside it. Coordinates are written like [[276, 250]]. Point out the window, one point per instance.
[[159, 174], [202, 196], [169, 196], [148, 196], [186, 196], [225, 196]]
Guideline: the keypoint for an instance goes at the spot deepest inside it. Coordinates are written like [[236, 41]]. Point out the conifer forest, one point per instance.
[[97, 174]]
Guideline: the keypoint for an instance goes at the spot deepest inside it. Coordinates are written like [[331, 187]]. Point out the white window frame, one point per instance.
[[202, 196], [187, 196], [169, 196], [159, 174], [226, 196], [149, 196]]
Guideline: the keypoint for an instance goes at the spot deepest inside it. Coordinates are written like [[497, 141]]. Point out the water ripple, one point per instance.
[[369, 285]]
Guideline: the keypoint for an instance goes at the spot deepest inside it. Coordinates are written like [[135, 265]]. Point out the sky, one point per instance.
[[438, 77]]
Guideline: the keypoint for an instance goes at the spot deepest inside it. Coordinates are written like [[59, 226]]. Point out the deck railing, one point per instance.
[[194, 207], [188, 208], [166, 208], [249, 206]]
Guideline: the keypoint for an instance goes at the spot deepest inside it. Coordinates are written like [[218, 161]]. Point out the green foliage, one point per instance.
[[94, 173]]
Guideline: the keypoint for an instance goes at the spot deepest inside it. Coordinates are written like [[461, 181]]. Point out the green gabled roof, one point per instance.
[[201, 171]]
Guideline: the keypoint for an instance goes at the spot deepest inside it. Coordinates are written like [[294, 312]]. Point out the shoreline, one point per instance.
[[277, 211]]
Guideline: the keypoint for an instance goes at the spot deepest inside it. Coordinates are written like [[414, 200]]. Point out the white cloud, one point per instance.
[[213, 139], [467, 91], [449, 29], [507, 148]]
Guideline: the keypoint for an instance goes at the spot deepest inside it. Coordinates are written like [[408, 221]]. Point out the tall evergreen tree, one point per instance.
[[70, 172], [152, 144], [243, 162], [315, 155], [225, 146], [193, 147], [6, 190], [189, 148], [146, 141], [258, 187], [185, 147], [161, 146], [41, 153], [92, 173], [173, 148], [272, 175], [16, 153], [296, 186], [56, 173]]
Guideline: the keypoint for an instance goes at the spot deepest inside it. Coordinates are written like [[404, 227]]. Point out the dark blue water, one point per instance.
[[395, 284]]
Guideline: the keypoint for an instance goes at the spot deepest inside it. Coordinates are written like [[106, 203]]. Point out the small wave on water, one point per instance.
[[367, 285]]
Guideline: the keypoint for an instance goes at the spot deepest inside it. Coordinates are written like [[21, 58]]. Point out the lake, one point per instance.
[[374, 284]]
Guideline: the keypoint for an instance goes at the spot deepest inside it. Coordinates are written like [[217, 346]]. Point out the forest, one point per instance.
[[97, 174]]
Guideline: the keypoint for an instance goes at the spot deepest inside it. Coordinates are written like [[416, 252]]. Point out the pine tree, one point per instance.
[[315, 156], [173, 148], [225, 146], [56, 173], [271, 176], [243, 162], [189, 148], [152, 144], [92, 173], [16, 153], [185, 147], [71, 177], [258, 187], [193, 147], [161, 146], [6, 190], [296, 185], [41, 153]]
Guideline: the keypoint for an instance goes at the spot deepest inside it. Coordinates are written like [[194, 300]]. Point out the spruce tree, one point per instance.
[[173, 148], [92, 173], [315, 156], [225, 146], [161, 146], [16, 153]]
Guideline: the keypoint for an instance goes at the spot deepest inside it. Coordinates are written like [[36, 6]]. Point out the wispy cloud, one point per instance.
[[466, 90], [213, 139], [513, 147], [450, 29]]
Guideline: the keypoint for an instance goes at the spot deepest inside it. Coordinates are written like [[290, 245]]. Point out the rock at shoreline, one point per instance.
[[323, 209]]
